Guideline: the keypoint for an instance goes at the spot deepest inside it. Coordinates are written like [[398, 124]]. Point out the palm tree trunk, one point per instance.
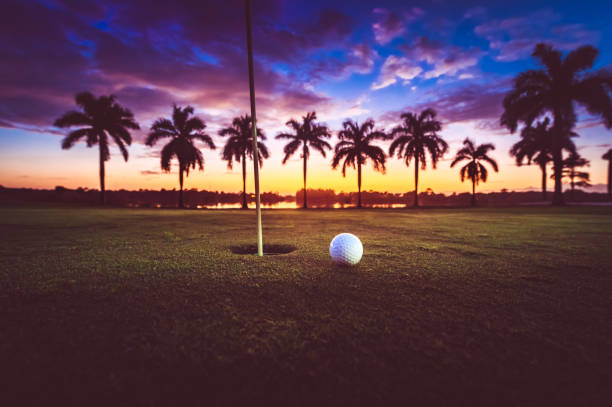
[[473, 192], [358, 183], [543, 168], [244, 199], [304, 153], [416, 181], [610, 179], [557, 159], [102, 191], [181, 204], [572, 186]]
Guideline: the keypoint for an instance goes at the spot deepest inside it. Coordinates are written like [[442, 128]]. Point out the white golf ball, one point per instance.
[[346, 248]]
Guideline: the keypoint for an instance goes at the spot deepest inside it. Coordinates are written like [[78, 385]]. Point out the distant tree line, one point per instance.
[[143, 198], [541, 105]]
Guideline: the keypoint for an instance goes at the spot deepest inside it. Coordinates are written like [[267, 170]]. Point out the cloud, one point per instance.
[[428, 59], [362, 59], [149, 172], [389, 24], [151, 55], [481, 103], [328, 28], [358, 59], [514, 38], [475, 13], [6, 125], [396, 67], [444, 59], [42, 65], [143, 99]]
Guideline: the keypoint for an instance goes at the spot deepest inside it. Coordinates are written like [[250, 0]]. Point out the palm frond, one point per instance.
[[321, 146], [548, 56], [398, 144], [167, 152], [483, 173], [124, 151], [86, 100], [154, 136], [490, 161], [580, 59], [163, 124], [463, 171], [73, 118], [458, 158], [349, 161], [204, 138], [594, 94], [287, 136], [194, 124], [290, 149], [74, 136]]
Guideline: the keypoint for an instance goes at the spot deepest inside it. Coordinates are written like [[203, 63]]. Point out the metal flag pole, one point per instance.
[[254, 124]]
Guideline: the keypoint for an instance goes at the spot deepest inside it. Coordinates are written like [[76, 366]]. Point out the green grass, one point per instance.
[[453, 306]]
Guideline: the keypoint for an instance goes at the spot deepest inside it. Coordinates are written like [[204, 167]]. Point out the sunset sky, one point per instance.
[[342, 59]]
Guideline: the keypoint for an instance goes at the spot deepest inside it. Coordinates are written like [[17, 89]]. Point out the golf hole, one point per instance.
[[268, 249]]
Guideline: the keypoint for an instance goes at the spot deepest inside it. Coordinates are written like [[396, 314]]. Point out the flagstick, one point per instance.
[[254, 120]]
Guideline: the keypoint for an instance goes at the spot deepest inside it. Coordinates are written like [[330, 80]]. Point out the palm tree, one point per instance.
[[239, 145], [608, 156], [355, 148], [474, 169], [536, 145], [306, 134], [416, 136], [183, 132], [576, 178], [98, 119], [555, 90]]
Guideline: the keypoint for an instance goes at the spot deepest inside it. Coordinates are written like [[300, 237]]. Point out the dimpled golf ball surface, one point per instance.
[[346, 248]]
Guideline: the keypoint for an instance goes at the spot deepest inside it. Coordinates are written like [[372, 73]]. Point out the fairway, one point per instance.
[[488, 306]]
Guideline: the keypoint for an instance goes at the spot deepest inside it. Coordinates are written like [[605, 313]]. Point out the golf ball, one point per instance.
[[346, 248]]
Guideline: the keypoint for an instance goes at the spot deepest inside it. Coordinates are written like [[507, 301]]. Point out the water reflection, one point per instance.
[[294, 205]]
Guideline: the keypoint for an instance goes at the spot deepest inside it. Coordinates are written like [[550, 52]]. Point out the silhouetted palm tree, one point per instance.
[[239, 145], [474, 169], [576, 178], [355, 148], [536, 145], [416, 136], [608, 156], [554, 90], [307, 134], [183, 132], [100, 118]]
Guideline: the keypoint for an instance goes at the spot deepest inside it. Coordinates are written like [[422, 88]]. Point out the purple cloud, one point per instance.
[[428, 59], [396, 67], [327, 29], [475, 13], [389, 24], [444, 59], [150, 55], [481, 103], [514, 38], [359, 59]]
